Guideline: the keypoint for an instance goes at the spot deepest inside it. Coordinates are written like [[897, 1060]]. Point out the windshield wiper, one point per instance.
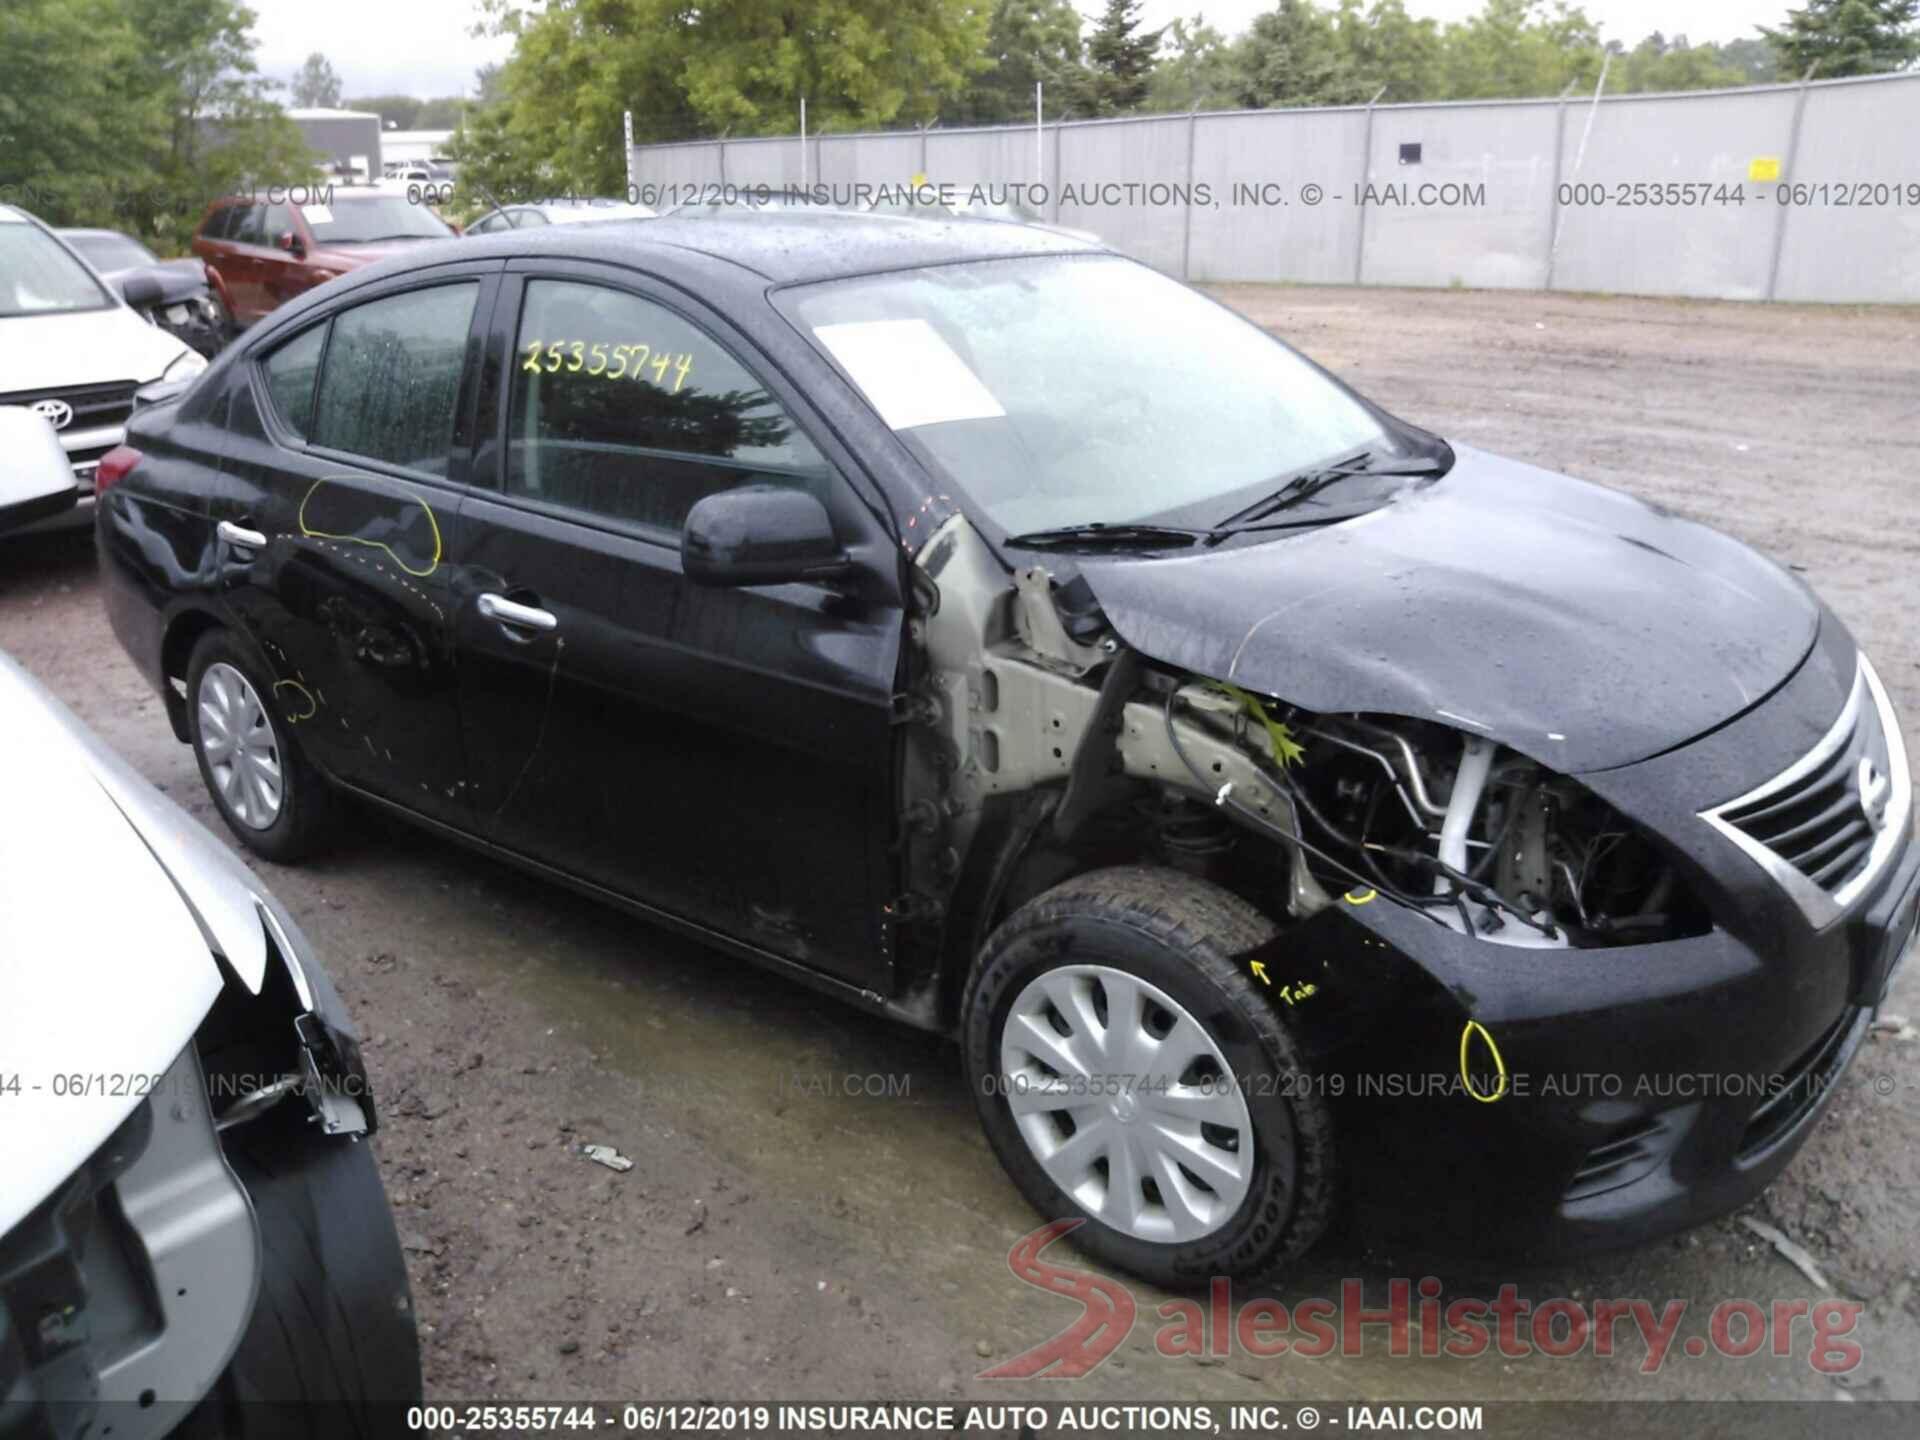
[[1096, 535], [1308, 483]]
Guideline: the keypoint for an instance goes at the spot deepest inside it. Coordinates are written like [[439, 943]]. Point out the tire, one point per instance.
[[1179, 935], [331, 1348], [303, 814]]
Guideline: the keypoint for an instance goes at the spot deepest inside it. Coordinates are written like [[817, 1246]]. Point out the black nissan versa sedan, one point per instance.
[[1275, 801]]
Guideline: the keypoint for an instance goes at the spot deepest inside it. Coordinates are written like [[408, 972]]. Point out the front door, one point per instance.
[[724, 755], [337, 521]]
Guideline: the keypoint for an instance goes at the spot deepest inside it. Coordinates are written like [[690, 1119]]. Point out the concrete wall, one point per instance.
[[1526, 194]]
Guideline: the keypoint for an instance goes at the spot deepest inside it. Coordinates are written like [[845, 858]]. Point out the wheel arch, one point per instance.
[[183, 631]]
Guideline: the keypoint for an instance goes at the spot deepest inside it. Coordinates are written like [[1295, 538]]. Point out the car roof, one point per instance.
[[93, 233], [790, 246]]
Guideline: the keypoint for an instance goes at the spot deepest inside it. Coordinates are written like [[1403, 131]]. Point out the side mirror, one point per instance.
[[760, 535], [37, 479], [288, 241], [141, 290]]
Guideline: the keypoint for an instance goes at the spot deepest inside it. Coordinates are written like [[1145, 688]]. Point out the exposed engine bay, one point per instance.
[[1025, 689]]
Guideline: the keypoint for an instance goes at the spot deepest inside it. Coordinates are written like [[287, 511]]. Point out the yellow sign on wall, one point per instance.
[[1763, 168]]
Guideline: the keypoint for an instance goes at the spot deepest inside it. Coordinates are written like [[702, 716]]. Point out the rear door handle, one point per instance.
[[511, 612], [241, 538]]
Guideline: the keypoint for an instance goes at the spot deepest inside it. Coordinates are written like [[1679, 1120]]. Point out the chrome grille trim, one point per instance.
[[1866, 703]]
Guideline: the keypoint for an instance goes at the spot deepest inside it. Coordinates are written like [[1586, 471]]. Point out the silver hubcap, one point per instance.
[[1127, 1103], [237, 739]]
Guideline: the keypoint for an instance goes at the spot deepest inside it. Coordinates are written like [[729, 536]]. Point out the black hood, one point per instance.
[[1576, 624]]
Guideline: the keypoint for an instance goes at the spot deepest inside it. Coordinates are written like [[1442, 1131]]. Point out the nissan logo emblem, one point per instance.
[[57, 413], [1875, 791]]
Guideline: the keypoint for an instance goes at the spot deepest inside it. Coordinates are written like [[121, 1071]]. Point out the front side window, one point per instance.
[[1071, 390], [392, 381], [623, 409], [40, 276], [291, 371]]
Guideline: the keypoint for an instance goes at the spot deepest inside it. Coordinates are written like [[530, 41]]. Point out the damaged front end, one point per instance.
[[1566, 989], [1037, 734]]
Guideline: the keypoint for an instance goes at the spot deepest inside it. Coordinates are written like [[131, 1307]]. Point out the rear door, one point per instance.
[[216, 249], [338, 510], [245, 265], [723, 755]]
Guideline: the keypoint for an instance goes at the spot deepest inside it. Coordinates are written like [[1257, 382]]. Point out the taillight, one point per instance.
[[113, 467]]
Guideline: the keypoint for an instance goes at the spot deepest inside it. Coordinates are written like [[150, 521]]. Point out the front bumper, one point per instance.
[[1640, 1090]]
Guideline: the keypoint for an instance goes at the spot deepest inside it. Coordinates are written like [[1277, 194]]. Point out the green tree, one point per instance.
[[63, 118], [410, 112], [737, 66], [1657, 64], [1120, 60], [1195, 70], [1383, 46], [1753, 59], [1291, 56], [315, 85], [140, 112], [1520, 47], [1028, 42], [1847, 37], [218, 125], [397, 112]]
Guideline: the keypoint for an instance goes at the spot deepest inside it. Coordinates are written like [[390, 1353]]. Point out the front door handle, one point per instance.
[[241, 538], [511, 612]]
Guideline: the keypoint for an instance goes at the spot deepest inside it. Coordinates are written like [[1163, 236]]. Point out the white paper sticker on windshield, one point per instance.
[[317, 214], [909, 373]]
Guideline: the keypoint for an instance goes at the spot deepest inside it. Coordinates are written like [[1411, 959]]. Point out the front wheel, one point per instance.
[[1128, 1070]]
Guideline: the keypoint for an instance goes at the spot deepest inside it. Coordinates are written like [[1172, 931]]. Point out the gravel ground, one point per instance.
[[789, 1232]]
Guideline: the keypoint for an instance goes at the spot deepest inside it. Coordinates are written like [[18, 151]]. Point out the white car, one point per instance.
[[193, 1235], [73, 350]]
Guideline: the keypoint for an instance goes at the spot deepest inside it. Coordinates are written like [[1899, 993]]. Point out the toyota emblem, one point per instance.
[[57, 413], [1875, 791]]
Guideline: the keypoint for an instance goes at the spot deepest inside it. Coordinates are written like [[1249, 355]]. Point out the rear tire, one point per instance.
[[271, 797], [331, 1348], [1161, 945]]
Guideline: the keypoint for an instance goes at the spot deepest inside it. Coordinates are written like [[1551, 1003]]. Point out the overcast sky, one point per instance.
[[421, 47]]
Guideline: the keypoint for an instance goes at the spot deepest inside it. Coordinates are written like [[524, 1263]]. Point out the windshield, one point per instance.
[[373, 217], [39, 277], [1077, 390], [112, 252]]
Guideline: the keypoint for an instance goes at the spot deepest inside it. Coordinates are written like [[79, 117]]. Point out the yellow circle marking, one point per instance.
[[1355, 897], [414, 495], [313, 707], [1499, 1065]]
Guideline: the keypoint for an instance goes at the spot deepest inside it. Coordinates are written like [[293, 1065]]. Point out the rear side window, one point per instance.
[[392, 382], [291, 371], [248, 226], [623, 409], [217, 223]]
